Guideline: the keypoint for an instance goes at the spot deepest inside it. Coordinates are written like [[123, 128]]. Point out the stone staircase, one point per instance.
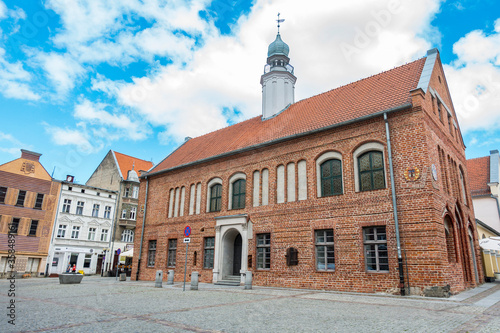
[[231, 280]]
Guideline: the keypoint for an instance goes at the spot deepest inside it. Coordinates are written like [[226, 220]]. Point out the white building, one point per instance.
[[83, 229]]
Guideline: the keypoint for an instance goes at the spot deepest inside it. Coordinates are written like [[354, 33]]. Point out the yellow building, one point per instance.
[[28, 202]]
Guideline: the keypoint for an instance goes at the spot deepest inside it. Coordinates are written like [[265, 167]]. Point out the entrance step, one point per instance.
[[232, 280]]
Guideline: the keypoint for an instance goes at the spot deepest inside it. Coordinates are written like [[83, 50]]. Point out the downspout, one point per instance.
[[54, 231], [395, 208], [142, 231], [498, 204], [112, 239]]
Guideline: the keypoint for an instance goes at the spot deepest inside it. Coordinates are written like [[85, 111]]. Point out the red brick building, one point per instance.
[[342, 191]]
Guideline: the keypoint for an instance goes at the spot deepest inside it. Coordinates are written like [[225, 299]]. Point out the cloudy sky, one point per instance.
[[78, 78]]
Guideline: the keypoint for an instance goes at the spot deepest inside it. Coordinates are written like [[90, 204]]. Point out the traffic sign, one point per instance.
[[118, 251], [187, 240], [187, 231]]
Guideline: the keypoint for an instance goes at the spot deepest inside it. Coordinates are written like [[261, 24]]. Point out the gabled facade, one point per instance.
[[362, 188], [119, 172], [28, 201], [82, 229]]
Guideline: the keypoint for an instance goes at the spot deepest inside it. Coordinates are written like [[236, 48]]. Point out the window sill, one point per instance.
[[378, 272], [325, 271]]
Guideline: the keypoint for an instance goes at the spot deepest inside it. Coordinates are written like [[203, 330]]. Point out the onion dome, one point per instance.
[[278, 47]]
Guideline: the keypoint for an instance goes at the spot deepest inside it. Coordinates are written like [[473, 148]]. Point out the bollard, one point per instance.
[[194, 281], [248, 280], [123, 277], [170, 278], [159, 278]]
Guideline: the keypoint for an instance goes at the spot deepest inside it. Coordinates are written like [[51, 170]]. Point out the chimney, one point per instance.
[[30, 155]]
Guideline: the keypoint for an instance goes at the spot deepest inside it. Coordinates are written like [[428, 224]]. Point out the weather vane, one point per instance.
[[279, 21]]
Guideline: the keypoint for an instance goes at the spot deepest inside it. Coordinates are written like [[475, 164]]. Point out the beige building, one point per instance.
[[28, 202], [484, 175], [119, 172]]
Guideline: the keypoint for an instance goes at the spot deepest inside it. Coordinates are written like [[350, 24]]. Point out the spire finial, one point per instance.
[[279, 21]]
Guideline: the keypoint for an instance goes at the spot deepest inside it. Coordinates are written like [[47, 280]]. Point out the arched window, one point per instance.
[[371, 171], [128, 236], [331, 178], [215, 198], [450, 239], [238, 194]]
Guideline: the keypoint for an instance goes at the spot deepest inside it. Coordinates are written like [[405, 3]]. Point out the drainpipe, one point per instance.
[[52, 246], [113, 231], [142, 232], [395, 208]]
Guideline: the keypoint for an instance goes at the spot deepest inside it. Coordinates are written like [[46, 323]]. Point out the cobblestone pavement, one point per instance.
[[107, 305]]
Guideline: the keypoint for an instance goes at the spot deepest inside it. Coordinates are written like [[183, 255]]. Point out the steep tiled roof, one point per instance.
[[371, 95], [126, 162], [478, 170]]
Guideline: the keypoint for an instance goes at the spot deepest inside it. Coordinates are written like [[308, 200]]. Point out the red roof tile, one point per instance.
[[125, 163], [374, 94], [478, 170]]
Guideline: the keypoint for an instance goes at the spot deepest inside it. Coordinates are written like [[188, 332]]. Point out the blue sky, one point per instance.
[[78, 78]]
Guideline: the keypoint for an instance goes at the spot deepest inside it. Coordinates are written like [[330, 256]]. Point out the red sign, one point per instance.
[[187, 231]]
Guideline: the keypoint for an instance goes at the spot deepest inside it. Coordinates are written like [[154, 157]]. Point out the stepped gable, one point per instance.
[[371, 95], [479, 175]]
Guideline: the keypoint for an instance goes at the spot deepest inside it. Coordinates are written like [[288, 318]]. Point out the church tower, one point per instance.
[[278, 81]]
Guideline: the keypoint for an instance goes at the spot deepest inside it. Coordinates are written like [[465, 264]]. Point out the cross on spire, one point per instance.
[[279, 21]]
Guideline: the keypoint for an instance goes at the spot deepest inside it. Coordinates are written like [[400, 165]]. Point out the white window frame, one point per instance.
[[61, 231], [329, 155], [79, 207], [107, 212], [95, 210], [133, 213], [135, 192], [66, 206], [364, 148], [235, 177], [92, 232], [75, 232], [127, 236], [104, 235]]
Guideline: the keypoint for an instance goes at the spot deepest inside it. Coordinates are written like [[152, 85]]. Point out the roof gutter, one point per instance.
[[395, 208], [286, 138]]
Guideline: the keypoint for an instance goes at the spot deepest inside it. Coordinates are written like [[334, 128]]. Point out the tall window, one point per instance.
[[14, 226], [87, 260], [325, 254], [39, 201], [172, 252], [208, 259], [3, 194], [439, 111], [375, 244], [371, 171], [33, 227], [135, 192], [128, 236], [107, 212], [79, 207], [104, 235], [331, 178], [75, 233], [20, 198], [450, 239], [61, 231], [239, 194], [151, 253], [124, 214], [95, 210], [92, 233], [127, 192], [133, 212], [264, 251], [66, 206], [215, 198]]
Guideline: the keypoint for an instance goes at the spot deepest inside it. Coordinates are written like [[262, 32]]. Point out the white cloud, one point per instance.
[[61, 69], [3, 10], [95, 114], [75, 137], [15, 81], [9, 144], [225, 72], [474, 79]]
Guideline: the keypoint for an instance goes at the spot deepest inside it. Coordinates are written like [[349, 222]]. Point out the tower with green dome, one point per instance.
[[278, 81]]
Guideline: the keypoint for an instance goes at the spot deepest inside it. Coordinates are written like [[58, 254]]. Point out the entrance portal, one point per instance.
[[237, 255]]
